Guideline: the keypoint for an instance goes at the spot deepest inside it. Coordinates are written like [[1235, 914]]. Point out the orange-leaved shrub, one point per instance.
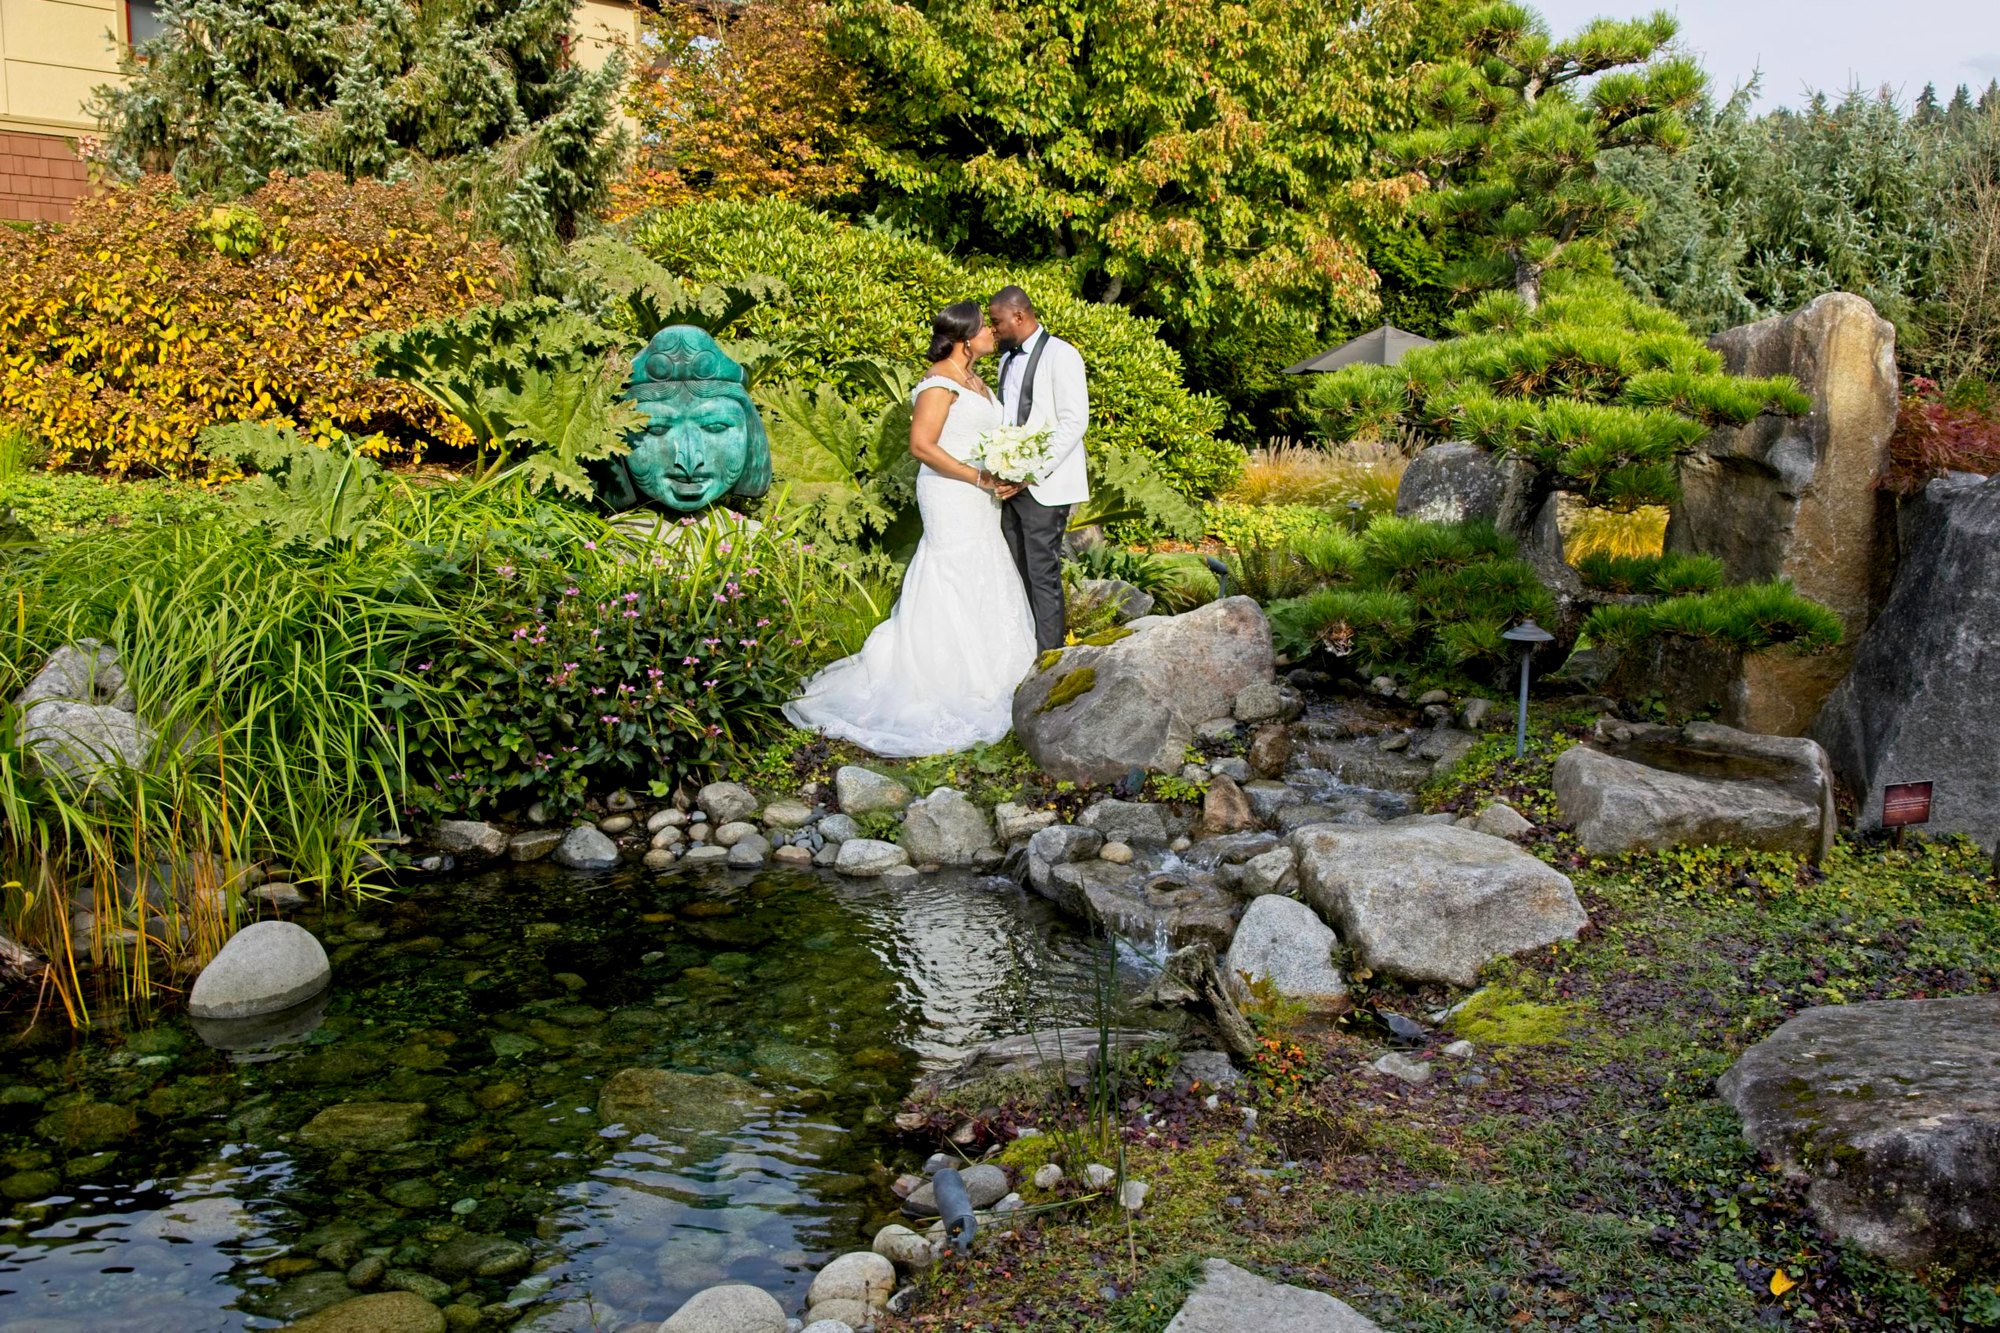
[[150, 316]]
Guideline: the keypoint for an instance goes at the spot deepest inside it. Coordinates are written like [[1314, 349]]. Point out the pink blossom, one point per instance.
[[690, 661], [590, 546]]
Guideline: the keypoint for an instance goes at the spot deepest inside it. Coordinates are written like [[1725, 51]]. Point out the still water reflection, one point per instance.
[[457, 1124]]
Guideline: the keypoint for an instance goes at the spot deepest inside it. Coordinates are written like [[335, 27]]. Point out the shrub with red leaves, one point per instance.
[[1932, 437]]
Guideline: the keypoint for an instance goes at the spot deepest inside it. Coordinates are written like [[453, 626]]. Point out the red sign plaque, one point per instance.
[[1906, 803]]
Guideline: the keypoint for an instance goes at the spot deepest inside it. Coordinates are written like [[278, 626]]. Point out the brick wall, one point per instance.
[[39, 177]]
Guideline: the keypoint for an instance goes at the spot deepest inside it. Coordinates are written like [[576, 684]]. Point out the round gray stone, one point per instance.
[[266, 966]]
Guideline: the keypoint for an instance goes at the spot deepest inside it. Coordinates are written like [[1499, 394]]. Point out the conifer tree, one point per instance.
[[1926, 111], [1513, 135], [483, 93]]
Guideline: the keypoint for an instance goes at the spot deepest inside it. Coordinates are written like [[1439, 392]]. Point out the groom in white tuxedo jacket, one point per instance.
[[1041, 387]]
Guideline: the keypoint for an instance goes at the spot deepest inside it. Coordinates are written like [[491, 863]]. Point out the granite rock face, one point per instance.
[[1930, 663], [1431, 902], [1643, 788], [1230, 1300], [1457, 483], [1890, 1110], [946, 828], [1797, 498], [1281, 942], [1099, 710]]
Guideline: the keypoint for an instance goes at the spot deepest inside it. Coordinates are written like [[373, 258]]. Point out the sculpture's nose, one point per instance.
[[688, 455]]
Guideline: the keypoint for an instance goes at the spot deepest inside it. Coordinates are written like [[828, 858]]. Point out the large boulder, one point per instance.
[[1891, 1112], [1282, 944], [1457, 483], [265, 967], [1927, 667], [945, 828], [1643, 788], [1132, 698], [82, 741], [1796, 498], [1432, 902], [1230, 1300]]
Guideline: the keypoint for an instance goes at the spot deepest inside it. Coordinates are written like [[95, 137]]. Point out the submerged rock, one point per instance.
[[265, 967], [1890, 1110], [383, 1312], [366, 1125], [662, 1101], [1054, 1054], [1230, 1300]]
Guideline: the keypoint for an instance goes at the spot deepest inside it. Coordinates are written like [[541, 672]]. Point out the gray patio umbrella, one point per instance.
[[1378, 347]]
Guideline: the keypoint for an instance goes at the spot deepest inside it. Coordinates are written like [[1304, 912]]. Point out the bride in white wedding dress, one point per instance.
[[939, 674]]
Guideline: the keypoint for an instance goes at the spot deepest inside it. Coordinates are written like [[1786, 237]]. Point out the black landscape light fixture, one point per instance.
[[1221, 572], [1530, 636]]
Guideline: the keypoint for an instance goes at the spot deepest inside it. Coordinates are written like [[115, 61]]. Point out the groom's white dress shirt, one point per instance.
[[1061, 406]]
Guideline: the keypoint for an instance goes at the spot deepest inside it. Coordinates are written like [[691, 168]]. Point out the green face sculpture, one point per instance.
[[703, 438]]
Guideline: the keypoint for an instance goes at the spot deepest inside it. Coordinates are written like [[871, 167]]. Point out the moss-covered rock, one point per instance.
[[1069, 687]]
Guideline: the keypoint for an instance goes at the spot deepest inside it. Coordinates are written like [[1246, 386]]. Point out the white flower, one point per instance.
[[1015, 453]]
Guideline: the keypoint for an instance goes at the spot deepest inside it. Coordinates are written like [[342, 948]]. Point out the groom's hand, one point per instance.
[[1007, 490]]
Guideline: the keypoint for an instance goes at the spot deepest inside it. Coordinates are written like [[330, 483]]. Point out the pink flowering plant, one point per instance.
[[613, 662]]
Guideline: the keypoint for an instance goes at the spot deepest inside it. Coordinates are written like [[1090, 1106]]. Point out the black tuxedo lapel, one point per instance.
[[1027, 402]]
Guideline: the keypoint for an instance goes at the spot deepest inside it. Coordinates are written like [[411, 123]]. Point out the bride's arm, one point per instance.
[[926, 424]]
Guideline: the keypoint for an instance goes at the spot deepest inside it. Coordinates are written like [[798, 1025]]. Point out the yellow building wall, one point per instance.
[[52, 54]]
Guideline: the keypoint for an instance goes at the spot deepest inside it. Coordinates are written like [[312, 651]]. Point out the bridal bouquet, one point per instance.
[[1015, 453]]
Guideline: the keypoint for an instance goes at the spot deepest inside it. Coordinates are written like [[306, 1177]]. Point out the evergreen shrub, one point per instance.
[[150, 316]]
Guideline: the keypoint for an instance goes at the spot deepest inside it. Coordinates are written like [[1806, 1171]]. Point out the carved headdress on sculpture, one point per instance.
[[703, 438]]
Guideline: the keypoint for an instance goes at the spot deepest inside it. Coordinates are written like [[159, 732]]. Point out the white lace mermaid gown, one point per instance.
[[939, 674]]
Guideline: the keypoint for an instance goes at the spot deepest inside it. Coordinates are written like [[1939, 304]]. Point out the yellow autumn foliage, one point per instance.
[[150, 316]]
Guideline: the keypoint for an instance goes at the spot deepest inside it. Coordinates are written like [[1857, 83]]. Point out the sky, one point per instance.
[[1825, 44]]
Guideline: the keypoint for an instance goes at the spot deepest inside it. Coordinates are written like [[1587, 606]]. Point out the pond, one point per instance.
[[149, 1181]]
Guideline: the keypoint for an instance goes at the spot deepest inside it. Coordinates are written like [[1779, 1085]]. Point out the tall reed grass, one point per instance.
[[295, 699]]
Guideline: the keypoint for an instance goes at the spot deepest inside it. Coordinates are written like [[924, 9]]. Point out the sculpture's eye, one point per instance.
[[716, 427]]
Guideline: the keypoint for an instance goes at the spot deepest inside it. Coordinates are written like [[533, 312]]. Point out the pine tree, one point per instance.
[[483, 93], [1990, 99], [1513, 138], [1926, 112], [1960, 110]]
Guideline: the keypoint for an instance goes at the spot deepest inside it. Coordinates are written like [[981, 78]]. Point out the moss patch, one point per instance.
[[1105, 638], [1070, 687], [1048, 659], [1503, 1016]]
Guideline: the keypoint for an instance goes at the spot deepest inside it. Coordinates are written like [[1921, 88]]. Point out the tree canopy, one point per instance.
[[1199, 161], [484, 93], [1512, 129]]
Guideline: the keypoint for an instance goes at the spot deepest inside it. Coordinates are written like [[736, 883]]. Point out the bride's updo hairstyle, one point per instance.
[[956, 323]]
